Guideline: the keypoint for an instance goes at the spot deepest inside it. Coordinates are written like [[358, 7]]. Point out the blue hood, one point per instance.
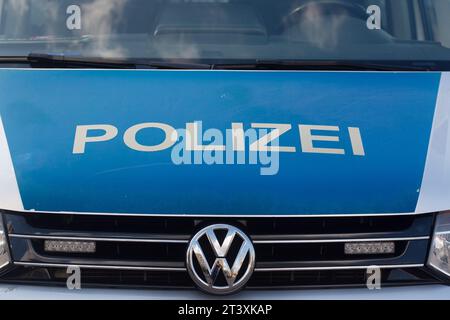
[[393, 113]]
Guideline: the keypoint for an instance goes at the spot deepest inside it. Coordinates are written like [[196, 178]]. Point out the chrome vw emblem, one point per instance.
[[220, 259]]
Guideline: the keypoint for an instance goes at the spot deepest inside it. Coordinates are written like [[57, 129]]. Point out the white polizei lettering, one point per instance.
[[263, 137], [307, 139], [193, 132], [356, 141], [81, 136], [262, 143], [170, 137]]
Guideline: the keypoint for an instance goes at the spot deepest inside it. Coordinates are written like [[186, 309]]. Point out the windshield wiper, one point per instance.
[[325, 65], [61, 61]]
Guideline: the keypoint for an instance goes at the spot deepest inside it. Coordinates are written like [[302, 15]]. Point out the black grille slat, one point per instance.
[[104, 277], [184, 227], [179, 280], [98, 226], [341, 228]]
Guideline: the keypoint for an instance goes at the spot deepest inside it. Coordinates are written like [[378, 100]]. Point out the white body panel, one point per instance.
[[435, 192], [9, 190]]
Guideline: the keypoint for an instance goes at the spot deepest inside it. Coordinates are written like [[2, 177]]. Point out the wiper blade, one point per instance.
[[62, 61], [325, 65]]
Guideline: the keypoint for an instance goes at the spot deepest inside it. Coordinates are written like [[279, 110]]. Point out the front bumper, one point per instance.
[[423, 292]]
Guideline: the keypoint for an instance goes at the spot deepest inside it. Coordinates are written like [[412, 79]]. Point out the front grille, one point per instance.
[[147, 251]]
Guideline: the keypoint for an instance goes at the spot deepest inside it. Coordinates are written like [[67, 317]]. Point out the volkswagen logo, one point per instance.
[[220, 259]]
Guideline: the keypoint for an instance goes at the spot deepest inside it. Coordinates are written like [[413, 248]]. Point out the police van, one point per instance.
[[252, 148]]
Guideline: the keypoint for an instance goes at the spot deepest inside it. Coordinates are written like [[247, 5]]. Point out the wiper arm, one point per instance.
[[324, 65], [55, 61], [62, 61]]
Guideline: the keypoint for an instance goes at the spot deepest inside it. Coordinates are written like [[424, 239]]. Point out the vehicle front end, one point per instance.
[[249, 149]]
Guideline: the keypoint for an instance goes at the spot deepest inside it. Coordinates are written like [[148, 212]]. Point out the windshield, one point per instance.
[[229, 31]]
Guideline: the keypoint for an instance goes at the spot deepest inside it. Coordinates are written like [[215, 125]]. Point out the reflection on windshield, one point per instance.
[[228, 29], [100, 17], [322, 30]]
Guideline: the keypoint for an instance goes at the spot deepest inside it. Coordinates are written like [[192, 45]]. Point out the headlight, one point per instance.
[[4, 252], [440, 247]]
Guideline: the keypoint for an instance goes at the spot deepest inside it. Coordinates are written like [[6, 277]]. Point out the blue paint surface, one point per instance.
[[41, 109]]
